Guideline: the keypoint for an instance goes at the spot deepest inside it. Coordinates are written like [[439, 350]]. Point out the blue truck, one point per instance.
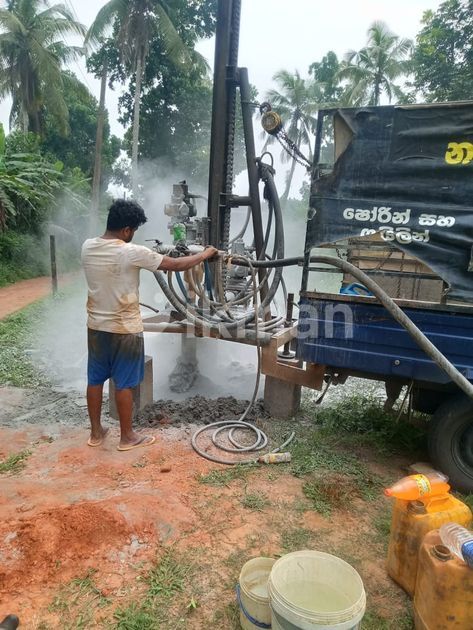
[[392, 194]]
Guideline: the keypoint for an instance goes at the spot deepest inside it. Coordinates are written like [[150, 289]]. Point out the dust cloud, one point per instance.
[[225, 368]]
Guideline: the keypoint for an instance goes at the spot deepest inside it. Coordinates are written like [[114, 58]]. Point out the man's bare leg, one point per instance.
[[124, 402], [94, 406]]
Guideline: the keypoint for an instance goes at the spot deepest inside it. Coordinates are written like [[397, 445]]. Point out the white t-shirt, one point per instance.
[[112, 269]]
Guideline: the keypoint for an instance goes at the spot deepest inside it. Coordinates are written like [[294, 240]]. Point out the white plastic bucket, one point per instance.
[[252, 593], [311, 590]]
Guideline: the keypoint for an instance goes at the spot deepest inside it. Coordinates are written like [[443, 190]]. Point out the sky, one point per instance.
[[280, 35]]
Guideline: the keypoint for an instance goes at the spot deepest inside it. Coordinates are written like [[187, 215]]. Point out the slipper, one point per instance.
[[93, 443], [146, 440]]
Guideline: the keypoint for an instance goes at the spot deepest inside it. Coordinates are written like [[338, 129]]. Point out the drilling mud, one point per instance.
[[199, 410]]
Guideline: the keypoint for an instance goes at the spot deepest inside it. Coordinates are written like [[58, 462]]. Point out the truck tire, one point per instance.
[[451, 441]]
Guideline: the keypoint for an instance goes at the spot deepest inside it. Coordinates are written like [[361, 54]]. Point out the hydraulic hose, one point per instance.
[[388, 303], [225, 322], [261, 439]]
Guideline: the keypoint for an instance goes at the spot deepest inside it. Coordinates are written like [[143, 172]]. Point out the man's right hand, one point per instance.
[[184, 263], [210, 252]]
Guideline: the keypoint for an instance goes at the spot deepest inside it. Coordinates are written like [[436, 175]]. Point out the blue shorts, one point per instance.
[[117, 356]]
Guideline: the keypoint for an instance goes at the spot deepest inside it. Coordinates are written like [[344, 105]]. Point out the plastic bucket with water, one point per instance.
[[252, 594], [311, 590]]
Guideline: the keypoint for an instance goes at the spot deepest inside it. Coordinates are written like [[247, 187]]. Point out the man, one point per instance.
[[115, 330]]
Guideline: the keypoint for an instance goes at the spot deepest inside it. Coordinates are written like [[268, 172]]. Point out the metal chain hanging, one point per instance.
[[292, 149], [273, 125]]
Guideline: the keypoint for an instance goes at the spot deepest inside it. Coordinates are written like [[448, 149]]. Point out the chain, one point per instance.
[[293, 150], [230, 146]]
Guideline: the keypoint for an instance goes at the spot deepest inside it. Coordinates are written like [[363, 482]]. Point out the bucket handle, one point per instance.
[[258, 624]]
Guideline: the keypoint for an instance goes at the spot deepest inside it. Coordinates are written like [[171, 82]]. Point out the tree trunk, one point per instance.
[[377, 89], [26, 122], [136, 126], [94, 203]]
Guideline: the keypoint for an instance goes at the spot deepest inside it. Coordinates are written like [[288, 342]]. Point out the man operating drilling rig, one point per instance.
[[112, 265]]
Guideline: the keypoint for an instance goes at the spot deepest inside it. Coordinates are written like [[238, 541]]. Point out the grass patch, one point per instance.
[[255, 501], [361, 419], [236, 560], [319, 453], [168, 577], [328, 492], [16, 336], [382, 525], [227, 617], [78, 601], [165, 581], [135, 617], [296, 539], [220, 478], [15, 463], [373, 621]]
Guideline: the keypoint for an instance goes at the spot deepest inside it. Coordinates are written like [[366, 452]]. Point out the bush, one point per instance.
[[22, 256]]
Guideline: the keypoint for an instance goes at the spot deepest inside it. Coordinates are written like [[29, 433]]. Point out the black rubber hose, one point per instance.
[[388, 303], [211, 323]]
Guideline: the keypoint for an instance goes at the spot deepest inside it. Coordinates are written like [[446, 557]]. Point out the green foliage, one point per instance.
[[139, 26], [14, 463], [176, 98], [78, 602], [28, 185], [135, 617], [32, 50], [374, 70], [317, 452], [16, 334], [329, 491], [166, 580], [374, 621], [296, 100], [382, 524], [325, 74], [296, 539], [220, 478], [182, 103], [77, 150], [443, 57], [361, 419], [34, 191], [255, 501], [22, 256], [168, 577]]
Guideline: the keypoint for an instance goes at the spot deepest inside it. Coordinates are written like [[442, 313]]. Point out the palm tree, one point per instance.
[[32, 52], [296, 101], [136, 22], [373, 70]]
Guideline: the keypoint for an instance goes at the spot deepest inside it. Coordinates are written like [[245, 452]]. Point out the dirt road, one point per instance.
[[16, 296]]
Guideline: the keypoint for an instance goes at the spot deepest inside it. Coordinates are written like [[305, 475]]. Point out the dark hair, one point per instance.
[[124, 214]]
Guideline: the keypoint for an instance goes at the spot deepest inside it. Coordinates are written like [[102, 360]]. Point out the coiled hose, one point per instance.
[[261, 439]]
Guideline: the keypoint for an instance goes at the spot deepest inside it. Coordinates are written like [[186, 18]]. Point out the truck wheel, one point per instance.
[[451, 441]]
